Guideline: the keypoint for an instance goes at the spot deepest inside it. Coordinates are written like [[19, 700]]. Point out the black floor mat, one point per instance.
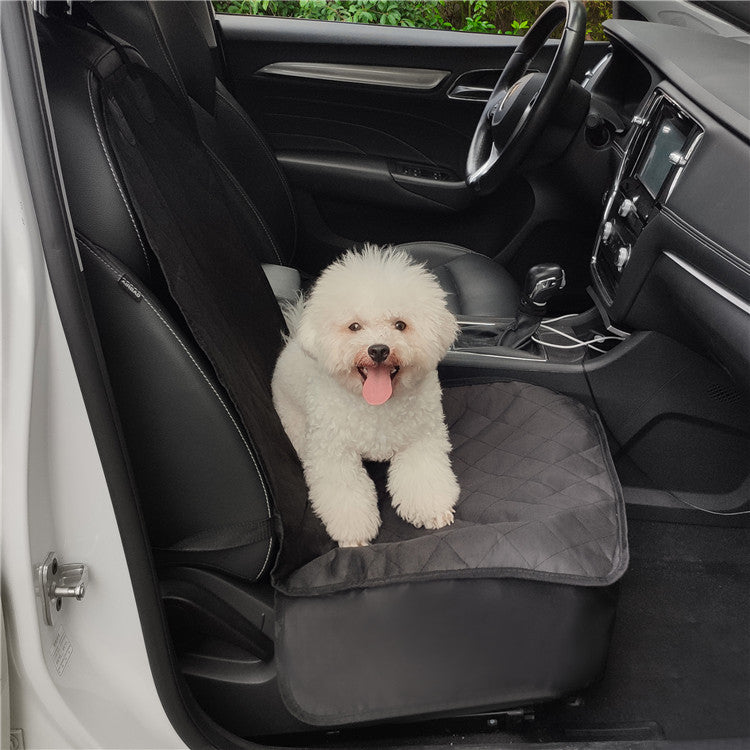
[[680, 653]]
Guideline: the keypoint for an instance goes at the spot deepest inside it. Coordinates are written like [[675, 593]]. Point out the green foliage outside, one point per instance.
[[488, 16]]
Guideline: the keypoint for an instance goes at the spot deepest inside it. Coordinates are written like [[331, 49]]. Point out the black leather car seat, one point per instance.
[[512, 604], [177, 40]]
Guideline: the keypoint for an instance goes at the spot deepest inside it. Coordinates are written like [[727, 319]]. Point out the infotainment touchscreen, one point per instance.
[[670, 136]]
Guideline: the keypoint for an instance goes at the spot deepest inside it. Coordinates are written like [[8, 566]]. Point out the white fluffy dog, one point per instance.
[[358, 380]]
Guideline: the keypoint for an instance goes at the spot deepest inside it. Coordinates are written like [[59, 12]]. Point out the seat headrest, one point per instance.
[[176, 40], [99, 206]]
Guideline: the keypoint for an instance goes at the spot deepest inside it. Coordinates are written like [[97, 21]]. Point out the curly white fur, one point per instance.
[[373, 297]]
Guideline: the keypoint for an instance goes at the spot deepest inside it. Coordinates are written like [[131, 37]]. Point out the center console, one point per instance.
[[663, 138], [649, 356]]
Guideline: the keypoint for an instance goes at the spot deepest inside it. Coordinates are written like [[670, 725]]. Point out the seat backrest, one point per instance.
[[176, 39], [207, 471]]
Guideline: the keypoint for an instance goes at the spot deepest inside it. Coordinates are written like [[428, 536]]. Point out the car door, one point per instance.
[[77, 672], [373, 123]]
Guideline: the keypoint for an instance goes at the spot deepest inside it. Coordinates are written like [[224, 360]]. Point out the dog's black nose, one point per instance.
[[378, 352]]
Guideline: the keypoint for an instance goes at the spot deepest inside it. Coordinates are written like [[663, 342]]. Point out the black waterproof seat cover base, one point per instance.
[[430, 647], [512, 604], [540, 499]]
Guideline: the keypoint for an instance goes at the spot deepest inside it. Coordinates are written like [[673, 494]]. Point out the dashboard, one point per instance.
[[673, 249]]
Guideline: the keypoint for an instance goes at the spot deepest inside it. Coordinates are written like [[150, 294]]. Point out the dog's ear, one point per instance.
[[297, 319], [305, 334]]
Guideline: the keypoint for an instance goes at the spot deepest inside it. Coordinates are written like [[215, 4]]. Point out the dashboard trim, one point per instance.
[[490, 353], [422, 79], [707, 242], [738, 302]]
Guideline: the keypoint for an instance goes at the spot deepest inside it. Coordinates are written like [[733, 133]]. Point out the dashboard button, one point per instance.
[[627, 207], [677, 158], [623, 256]]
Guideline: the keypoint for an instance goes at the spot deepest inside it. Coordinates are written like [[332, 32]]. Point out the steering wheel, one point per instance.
[[521, 103]]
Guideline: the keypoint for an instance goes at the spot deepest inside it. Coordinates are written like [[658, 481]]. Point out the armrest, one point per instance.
[[377, 180], [285, 282]]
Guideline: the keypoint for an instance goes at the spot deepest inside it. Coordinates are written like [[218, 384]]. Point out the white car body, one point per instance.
[[84, 682]]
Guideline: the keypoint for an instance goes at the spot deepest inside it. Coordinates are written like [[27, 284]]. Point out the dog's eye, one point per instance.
[[399, 325], [355, 327]]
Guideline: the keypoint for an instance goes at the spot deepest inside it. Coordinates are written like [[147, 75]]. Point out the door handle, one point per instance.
[[470, 93], [477, 85]]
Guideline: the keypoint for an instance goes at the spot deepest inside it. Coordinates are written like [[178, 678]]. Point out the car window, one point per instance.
[[487, 16]]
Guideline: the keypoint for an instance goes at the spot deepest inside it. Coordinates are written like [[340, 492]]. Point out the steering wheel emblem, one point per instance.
[[512, 90], [498, 107]]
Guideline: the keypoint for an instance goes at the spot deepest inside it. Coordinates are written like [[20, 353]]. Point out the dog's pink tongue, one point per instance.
[[377, 388]]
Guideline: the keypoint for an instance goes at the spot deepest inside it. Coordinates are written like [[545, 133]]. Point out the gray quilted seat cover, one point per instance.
[[539, 500]]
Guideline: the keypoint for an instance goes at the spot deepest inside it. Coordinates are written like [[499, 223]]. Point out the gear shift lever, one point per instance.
[[542, 283]]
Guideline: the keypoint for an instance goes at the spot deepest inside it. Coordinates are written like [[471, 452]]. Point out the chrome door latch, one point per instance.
[[56, 582]]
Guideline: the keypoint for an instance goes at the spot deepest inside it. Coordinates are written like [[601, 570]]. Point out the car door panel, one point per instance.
[[374, 142], [429, 120]]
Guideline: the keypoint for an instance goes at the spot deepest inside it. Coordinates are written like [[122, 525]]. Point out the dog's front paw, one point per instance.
[[425, 518], [423, 487], [354, 525], [428, 508], [441, 520], [344, 498], [354, 543]]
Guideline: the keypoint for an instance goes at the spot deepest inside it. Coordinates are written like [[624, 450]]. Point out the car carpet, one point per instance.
[[680, 651]]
